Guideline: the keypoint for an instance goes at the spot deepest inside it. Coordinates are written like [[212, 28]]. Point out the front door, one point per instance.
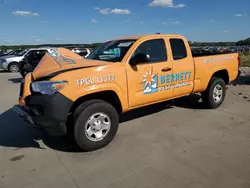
[[146, 80]]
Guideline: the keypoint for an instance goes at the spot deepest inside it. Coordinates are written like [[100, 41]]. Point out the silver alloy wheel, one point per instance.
[[97, 127], [217, 93], [14, 68]]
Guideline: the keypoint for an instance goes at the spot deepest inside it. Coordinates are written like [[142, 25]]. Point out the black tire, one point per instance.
[[82, 115], [207, 96], [14, 67]]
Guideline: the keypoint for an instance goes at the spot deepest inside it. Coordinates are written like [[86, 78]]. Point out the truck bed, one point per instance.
[[206, 65]]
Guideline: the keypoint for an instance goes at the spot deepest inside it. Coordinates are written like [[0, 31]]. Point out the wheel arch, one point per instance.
[[223, 74], [109, 96]]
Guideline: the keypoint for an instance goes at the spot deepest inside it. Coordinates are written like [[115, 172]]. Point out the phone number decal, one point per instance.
[[95, 80]]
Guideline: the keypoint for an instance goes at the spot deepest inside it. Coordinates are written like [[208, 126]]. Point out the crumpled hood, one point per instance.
[[60, 60]]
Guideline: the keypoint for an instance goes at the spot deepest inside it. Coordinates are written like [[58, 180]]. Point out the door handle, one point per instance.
[[166, 69]]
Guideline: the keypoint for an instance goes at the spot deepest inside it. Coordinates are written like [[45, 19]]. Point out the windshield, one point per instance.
[[22, 52], [15, 52], [112, 51]]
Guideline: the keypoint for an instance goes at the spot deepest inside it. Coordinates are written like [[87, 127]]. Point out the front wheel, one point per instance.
[[13, 67], [215, 93], [95, 124]]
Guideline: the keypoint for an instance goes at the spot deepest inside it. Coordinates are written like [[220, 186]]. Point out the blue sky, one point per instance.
[[87, 21]]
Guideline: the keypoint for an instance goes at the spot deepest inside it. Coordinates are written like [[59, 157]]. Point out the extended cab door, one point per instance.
[[146, 79], [182, 79]]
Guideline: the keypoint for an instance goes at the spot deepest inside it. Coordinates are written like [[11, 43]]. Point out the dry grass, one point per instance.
[[245, 60]]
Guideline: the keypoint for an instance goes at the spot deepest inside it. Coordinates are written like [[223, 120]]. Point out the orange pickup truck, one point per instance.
[[67, 93]]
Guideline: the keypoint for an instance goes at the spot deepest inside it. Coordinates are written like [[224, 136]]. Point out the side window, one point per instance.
[[178, 49], [41, 52], [154, 49], [31, 52]]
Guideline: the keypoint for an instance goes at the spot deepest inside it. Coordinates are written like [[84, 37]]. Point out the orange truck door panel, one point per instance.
[[183, 67], [144, 79]]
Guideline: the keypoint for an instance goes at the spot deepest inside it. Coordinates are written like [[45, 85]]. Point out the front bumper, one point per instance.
[[47, 111]]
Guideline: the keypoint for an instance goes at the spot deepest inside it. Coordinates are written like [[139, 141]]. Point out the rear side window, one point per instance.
[[155, 49], [178, 49]]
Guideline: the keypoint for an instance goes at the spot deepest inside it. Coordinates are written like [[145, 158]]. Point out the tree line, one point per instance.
[[245, 42], [95, 45]]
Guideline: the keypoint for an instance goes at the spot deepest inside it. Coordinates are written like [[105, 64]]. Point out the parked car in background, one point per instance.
[[12, 62], [196, 50], [31, 60], [13, 52], [84, 52]]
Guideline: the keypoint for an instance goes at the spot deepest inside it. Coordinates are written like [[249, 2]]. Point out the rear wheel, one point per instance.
[[214, 96], [13, 67], [95, 124]]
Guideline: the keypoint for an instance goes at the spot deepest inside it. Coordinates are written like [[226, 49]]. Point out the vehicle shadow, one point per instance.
[[242, 80], [16, 133], [191, 102], [145, 111], [3, 71], [15, 80]]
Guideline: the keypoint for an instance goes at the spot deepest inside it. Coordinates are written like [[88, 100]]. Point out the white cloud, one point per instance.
[[224, 30], [171, 22], [120, 11], [45, 21], [114, 11], [165, 3], [105, 11], [212, 21], [96, 8], [38, 40], [241, 15], [142, 22], [94, 21], [25, 13], [58, 38]]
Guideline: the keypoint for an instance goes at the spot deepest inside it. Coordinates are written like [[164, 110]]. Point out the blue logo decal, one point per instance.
[[150, 82]]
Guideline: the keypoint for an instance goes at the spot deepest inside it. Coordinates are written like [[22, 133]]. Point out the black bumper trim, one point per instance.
[[24, 113], [54, 110]]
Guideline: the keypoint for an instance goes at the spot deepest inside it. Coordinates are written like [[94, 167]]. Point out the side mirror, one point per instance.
[[139, 58]]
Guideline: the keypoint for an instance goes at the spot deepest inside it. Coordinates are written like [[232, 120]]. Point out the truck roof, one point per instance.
[[136, 37]]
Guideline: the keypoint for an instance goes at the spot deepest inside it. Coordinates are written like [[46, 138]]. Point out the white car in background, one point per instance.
[[12, 62], [84, 52]]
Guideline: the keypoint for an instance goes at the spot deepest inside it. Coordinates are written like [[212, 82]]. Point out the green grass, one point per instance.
[[245, 60]]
